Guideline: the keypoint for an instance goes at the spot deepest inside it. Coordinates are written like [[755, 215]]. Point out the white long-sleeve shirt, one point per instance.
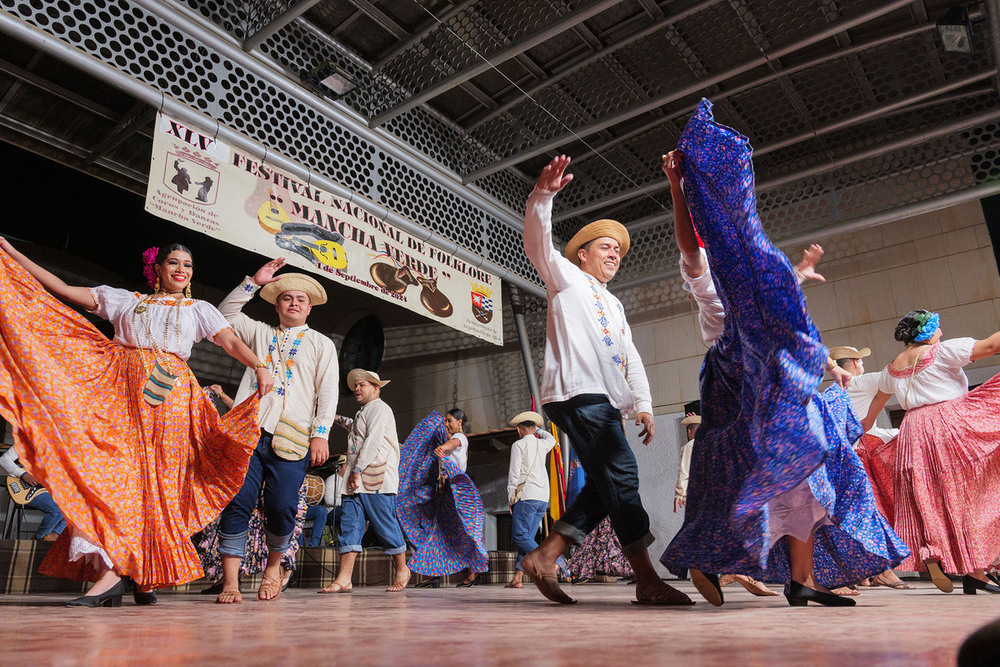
[[8, 465], [711, 314], [372, 439], [588, 343], [862, 391], [684, 469], [527, 464], [311, 394]]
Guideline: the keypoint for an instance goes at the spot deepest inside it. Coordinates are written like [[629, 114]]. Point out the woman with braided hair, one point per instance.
[[946, 458]]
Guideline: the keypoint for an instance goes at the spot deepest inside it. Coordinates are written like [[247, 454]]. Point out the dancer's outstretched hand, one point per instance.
[[672, 167], [553, 177], [840, 376], [807, 265], [265, 274], [646, 420]]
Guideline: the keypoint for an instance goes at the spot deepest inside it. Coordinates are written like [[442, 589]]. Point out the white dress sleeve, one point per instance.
[[711, 313], [111, 301], [956, 352], [208, 321]]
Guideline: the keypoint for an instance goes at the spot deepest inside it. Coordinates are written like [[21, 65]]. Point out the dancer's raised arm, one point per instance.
[[76, 295]]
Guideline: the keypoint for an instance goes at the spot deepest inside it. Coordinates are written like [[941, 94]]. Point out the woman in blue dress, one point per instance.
[[775, 491], [438, 505]]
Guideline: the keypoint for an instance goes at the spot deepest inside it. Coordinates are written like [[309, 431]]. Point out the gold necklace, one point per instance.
[[142, 310]]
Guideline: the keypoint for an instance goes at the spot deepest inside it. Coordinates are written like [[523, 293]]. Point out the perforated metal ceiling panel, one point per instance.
[[854, 107]]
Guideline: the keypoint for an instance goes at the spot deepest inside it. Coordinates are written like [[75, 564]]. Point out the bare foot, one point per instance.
[[545, 576], [402, 578], [754, 586], [229, 597], [337, 587], [514, 583]]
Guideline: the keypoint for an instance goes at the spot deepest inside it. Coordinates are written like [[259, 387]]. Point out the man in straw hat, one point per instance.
[[862, 389], [372, 481], [295, 417], [593, 377], [528, 487]]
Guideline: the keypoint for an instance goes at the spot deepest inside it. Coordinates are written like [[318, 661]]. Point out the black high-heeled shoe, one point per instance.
[[141, 597], [109, 598], [708, 585], [799, 596], [971, 585], [467, 584], [433, 582]]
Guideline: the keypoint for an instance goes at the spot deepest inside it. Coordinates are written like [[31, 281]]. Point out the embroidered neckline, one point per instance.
[[274, 350], [153, 300], [924, 362], [603, 319]]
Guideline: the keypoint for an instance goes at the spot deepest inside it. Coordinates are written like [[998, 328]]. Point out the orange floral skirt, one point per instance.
[[136, 480]]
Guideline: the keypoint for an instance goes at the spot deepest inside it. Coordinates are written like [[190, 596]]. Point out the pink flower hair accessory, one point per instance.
[[149, 265]]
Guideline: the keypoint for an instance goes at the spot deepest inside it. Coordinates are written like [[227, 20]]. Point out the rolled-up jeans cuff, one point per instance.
[[640, 545], [569, 531], [277, 543], [233, 545]]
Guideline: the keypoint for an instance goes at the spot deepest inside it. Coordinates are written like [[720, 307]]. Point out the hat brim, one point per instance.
[[527, 416], [362, 374], [596, 230], [692, 419], [298, 282], [837, 355]]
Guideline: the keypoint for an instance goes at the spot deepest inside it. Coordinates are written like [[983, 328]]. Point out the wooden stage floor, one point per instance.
[[491, 625]]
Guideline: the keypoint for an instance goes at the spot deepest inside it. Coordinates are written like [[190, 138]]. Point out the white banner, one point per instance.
[[206, 185]]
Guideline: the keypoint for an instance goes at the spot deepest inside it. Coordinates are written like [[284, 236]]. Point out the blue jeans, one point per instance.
[[377, 509], [525, 518], [52, 519], [317, 514], [280, 480], [594, 428], [333, 518]]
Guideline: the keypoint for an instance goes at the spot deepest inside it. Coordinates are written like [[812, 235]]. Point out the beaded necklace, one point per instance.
[[605, 315], [142, 312]]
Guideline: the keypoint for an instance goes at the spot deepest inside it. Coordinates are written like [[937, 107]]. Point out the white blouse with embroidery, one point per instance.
[[937, 377], [588, 343], [174, 328]]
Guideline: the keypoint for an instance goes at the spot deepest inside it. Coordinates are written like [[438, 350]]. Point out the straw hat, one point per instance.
[[691, 419], [299, 282], [596, 230], [528, 416], [362, 374], [848, 352]]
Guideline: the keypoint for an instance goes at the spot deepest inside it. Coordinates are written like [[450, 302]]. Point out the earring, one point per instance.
[[156, 287], [187, 290]]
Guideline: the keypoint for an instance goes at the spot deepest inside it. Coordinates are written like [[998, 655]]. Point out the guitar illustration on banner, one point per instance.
[[315, 243]]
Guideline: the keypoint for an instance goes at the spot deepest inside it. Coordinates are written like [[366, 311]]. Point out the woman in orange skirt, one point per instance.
[[136, 466]]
